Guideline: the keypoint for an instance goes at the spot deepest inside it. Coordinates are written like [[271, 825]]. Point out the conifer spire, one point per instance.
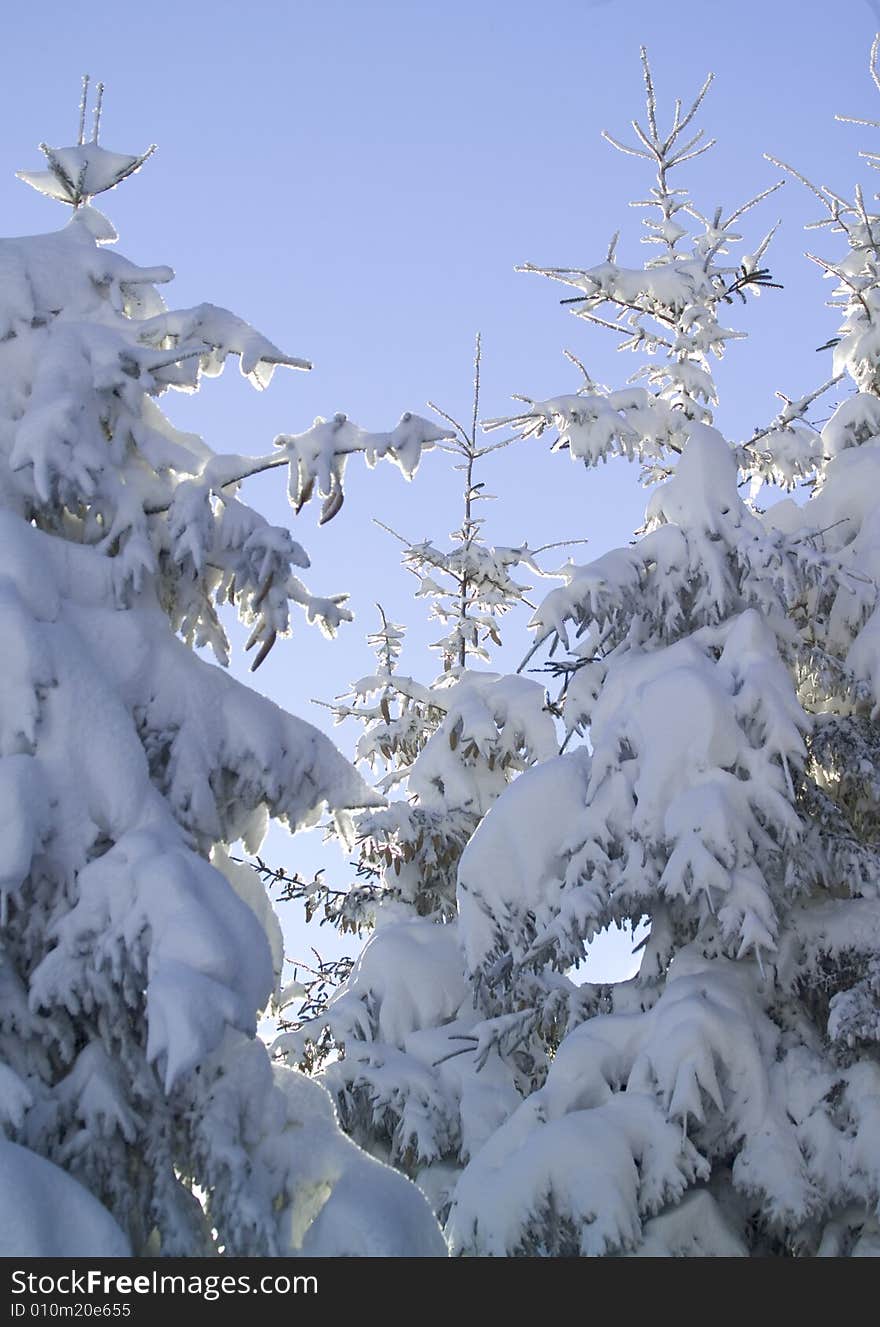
[[78, 173]]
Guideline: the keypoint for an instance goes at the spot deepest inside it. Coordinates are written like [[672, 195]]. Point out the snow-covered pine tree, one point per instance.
[[725, 666], [134, 955], [420, 1076]]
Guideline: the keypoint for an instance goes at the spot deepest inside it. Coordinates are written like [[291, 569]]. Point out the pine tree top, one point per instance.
[[82, 171]]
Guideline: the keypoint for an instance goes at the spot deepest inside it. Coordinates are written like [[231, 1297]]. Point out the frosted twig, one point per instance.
[[99, 102], [765, 242], [857, 119], [623, 305], [841, 276], [389, 662], [463, 1051], [838, 199], [494, 446], [796, 174], [406, 542], [477, 358], [865, 218], [753, 202], [649, 144], [698, 101], [789, 415], [683, 156], [559, 543], [546, 271], [573, 359], [625, 148], [814, 534], [82, 110], [650, 95], [449, 419]]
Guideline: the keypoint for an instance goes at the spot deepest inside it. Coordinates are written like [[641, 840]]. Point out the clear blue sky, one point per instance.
[[359, 180]]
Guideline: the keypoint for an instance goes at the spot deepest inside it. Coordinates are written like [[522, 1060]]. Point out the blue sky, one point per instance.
[[359, 180]]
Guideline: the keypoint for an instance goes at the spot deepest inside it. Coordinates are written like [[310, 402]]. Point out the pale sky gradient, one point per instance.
[[359, 180]]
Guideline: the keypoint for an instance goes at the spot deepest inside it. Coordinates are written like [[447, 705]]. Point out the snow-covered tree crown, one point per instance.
[[452, 744], [669, 309], [76, 174], [704, 556], [132, 485]]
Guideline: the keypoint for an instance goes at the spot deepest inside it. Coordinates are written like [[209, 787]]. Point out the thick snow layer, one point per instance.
[[278, 1133], [24, 817], [208, 963], [348, 1217], [411, 974], [501, 719], [251, 890], [616, 1108], [416, 1053], [209, 721], [696, 1228], [46, 1214], [81, 171], [518, 849], [592, 1171], [693, 754], [208, 959]]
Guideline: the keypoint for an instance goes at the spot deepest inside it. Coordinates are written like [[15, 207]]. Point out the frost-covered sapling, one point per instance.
[[420, 1076]]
